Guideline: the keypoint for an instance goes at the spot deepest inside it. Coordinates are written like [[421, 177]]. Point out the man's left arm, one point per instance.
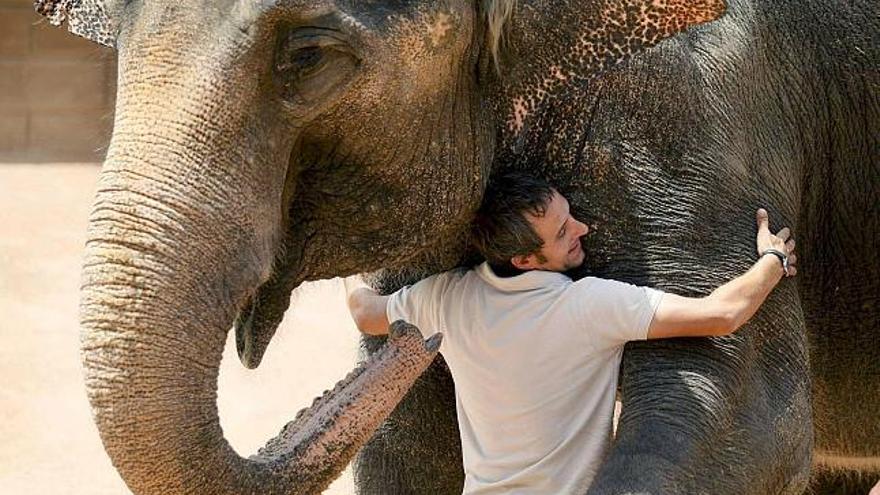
[[367, 307]]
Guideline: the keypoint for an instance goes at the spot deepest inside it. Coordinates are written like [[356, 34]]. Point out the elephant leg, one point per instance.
[[721, 416], [417, 450]]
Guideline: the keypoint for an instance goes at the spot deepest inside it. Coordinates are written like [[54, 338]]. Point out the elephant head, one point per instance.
[[259, 144]]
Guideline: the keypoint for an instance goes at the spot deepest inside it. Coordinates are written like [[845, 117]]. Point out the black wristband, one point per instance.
[[783, 258]]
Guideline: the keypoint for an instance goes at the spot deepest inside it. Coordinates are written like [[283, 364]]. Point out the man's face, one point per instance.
[[561, 235]]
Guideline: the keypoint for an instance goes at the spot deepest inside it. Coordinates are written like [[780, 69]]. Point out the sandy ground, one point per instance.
[[48, 443]]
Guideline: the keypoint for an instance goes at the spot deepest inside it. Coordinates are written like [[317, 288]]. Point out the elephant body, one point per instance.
[[258, 145], [772, 105]]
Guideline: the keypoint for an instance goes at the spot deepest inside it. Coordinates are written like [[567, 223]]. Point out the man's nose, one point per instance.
[[584, 228]]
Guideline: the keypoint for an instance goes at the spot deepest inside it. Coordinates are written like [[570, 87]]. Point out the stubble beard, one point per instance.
[[578, 260]]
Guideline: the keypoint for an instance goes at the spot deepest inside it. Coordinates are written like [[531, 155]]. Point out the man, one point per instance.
[[535, 355]]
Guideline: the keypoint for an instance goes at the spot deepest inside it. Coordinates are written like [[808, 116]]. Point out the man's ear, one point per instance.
[[95, 20], [524, 261]]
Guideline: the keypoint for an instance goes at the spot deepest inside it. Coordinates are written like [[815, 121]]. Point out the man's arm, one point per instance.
[[367, 307], [730, 306]]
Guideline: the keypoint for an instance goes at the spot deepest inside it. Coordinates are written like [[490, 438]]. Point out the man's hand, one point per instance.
[[352, 284], [366, 306], [779, 242]]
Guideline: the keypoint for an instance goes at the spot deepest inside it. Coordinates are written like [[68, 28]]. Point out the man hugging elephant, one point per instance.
[[535, 356]]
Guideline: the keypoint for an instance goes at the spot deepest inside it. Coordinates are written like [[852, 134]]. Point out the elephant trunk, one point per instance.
[[185, 226], [152, 354]]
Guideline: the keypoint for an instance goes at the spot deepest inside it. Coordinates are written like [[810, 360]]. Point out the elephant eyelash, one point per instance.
[[308, 46], [304, 59]]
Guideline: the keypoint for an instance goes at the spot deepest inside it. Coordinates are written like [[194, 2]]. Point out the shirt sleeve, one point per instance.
[[616, 312], [420, 304]]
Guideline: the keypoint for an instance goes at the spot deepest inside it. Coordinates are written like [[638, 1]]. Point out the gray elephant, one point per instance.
[[262, 144]]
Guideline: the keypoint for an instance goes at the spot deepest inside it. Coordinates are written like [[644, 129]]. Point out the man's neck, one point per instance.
[[506, 270]]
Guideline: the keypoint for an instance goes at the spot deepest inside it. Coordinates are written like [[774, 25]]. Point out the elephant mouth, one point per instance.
[[263, 311], [246, 330]]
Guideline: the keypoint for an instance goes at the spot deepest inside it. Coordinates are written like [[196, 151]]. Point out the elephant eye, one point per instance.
[[307, 60], [302, 63], [309, 66]]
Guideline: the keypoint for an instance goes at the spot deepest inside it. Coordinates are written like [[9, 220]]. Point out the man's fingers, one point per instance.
[[792, 271], [784, 234], [763, 219], [792, 259], [789, 246]]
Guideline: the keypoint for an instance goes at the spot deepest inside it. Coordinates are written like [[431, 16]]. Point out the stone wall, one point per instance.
[[56, 90]]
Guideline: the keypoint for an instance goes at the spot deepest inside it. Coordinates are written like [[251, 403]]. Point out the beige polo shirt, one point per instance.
[[535, 361]]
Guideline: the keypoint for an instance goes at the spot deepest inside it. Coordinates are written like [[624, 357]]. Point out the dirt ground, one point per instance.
[[48, 443]]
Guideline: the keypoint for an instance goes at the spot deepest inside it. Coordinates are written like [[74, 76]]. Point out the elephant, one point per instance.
[[258, 145]]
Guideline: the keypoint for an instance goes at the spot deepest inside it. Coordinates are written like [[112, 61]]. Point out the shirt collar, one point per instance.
[[530, 280]]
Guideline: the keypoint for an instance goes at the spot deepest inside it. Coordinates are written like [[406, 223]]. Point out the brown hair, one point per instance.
[[500, 229]]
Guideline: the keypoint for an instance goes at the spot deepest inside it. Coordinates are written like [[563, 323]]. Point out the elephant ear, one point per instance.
[[650, 21], [95, 20], [623, 28], [574, 40]]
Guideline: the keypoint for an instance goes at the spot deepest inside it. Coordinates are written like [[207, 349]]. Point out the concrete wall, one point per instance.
[[56, 90]]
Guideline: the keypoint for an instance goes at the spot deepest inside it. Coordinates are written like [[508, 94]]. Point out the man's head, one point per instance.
[[526, 224]]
